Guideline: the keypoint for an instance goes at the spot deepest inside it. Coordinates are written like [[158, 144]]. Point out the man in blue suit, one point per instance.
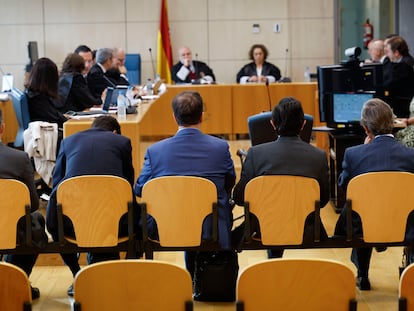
[[98, 150], [192, 153], [380, 152]]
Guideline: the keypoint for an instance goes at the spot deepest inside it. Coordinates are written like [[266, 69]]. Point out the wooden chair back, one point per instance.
[[95, 204], [133, 285], [14, 200], [281, 203], [406, 294], [179, 205], [15, 291], [383, 200], [296, 284]]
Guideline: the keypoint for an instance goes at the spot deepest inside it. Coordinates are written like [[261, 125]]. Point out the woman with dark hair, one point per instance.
[[259, 70], [42, 93], [73, 90]]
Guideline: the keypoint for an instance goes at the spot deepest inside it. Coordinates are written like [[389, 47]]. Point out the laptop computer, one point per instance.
[[105, 107]]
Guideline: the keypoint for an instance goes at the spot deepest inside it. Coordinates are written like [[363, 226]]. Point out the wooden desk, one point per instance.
[[10, 121], [250, 99], [129, 128], [227, 106], [217, 100]]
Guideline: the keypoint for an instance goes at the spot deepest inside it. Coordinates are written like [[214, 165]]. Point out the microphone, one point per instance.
[[268, 95], [152, 62], [286, 59], [285, 78]]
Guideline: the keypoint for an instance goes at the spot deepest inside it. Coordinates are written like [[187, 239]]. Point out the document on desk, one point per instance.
[[86, 116]]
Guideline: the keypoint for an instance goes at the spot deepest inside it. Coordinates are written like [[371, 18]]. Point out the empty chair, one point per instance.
[[406, 294], [179, 205], [382, 201], [133, 66], [296, 284], [14, 204], [95, 204], [261, 131], [281, 204], [15, 291], [21, 109], [133, 285]]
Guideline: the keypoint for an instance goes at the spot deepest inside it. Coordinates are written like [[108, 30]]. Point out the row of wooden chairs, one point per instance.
[[281, 204], [277, 284]]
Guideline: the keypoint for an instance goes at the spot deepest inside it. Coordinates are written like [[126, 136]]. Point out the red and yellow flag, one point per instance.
[[164, 54]]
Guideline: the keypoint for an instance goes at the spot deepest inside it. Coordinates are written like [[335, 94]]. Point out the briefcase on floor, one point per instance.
[[215, 276]]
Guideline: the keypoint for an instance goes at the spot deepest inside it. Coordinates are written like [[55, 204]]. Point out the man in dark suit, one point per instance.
[[380, 152], [288, 155], [15, 164], [399, 76], [98, 150], [188, 70], [97, 80], [192, 153]]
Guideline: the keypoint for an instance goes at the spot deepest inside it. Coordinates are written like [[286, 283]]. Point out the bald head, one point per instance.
[[376, 50]]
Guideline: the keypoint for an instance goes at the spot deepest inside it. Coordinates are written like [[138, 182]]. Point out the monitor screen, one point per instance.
[[347, 106]]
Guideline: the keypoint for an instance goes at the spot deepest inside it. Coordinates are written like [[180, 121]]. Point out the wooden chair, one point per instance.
[[281, 203], [14, 204], [179, 205], [95, 204], [296, 284], [133, 285], [406, 294], [383, 205], [15, 291]]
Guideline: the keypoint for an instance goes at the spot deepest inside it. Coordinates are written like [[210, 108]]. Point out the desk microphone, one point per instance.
[[268, 95], [285, 78], [152, 62]]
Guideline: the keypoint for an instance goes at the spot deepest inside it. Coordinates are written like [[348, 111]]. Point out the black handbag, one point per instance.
[[39, 236], [215, 276]]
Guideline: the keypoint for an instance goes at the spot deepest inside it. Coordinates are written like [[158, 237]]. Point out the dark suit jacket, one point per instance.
[[114, 75], [97, 81], [15, 164], [74, 93], [268, 69], [383, 154], [192, 153], [45, 108], [94, 151], [199, 68], [399, 82], [285, 156]]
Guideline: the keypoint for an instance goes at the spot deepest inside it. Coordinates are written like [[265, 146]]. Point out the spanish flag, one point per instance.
[[164, 54]]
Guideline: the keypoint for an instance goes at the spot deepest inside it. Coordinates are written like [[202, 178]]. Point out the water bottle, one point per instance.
[[149, 87], [307, 74], [121, 107]]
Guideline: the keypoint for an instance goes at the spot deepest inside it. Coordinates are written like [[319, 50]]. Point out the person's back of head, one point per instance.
[[73, 63], [188, 108], [377, 117], [103, 55], [44, 78], [107, 123], [82, 49], [288, 117]]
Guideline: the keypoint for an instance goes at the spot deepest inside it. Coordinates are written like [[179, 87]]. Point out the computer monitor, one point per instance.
[[347, 107]]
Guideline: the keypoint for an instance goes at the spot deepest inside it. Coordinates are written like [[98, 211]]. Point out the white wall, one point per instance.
[[219, 31]]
